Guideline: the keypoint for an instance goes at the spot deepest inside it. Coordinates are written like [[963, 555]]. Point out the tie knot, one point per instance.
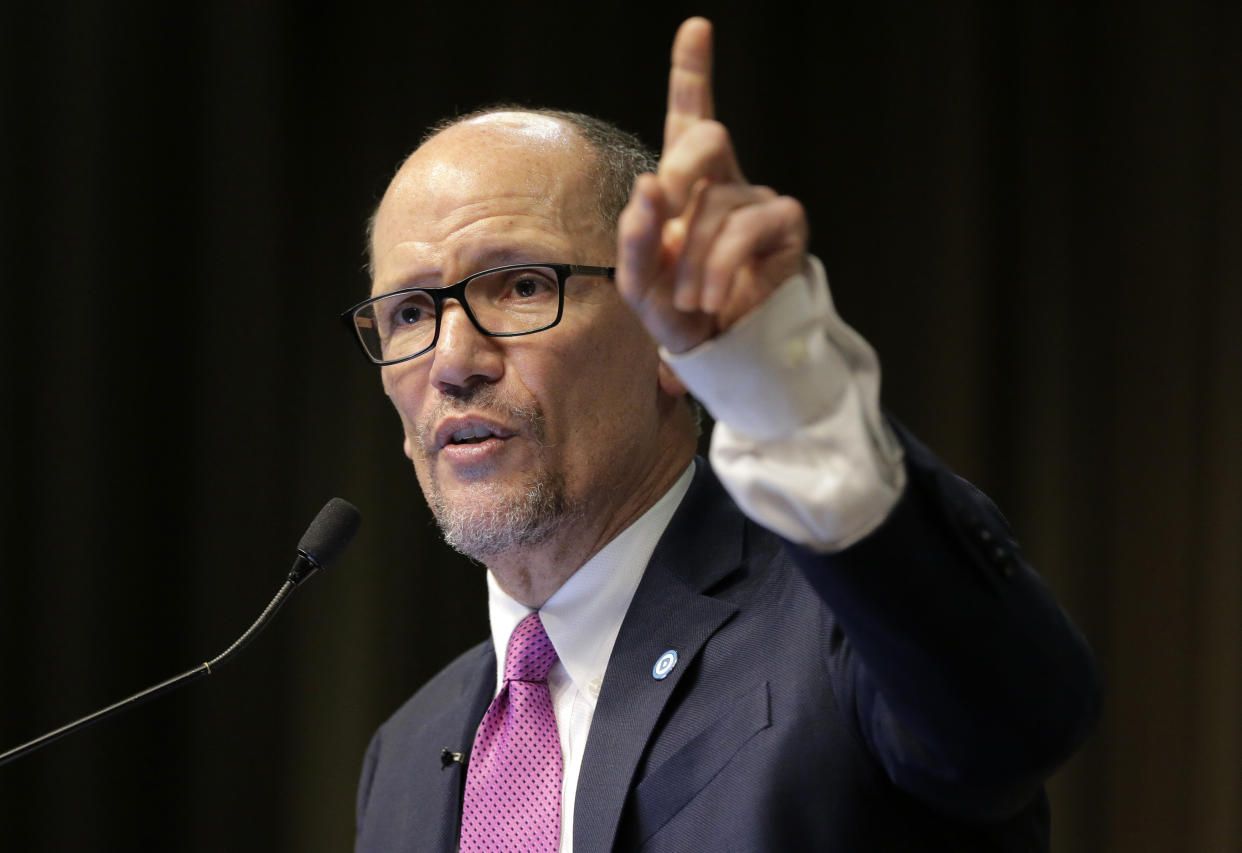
[[530, 654]]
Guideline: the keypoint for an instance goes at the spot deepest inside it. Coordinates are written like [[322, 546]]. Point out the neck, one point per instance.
[[531, 574]]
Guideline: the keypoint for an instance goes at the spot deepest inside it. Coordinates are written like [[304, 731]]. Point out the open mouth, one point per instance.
[[472, 435], [464, 432]]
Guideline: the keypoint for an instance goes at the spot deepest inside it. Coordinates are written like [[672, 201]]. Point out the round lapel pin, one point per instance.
[[664, 665]]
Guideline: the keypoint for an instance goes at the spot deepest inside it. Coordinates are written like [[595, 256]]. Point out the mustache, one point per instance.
[[486, 400]]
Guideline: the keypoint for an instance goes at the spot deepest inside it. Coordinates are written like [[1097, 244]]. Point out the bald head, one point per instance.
[[498, 174], [608, 157]]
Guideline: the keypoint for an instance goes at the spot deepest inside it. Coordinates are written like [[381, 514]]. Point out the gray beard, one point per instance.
[[492, 521]]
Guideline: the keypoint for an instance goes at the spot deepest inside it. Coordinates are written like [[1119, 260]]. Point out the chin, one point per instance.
[[489, 518]]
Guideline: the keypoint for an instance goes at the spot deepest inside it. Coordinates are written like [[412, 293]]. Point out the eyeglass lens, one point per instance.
[[513, 301]]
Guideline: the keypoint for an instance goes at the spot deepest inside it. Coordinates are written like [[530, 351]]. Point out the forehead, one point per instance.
[[502, 178]]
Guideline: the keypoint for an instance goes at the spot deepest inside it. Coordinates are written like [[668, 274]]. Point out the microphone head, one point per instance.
[[330, 532]]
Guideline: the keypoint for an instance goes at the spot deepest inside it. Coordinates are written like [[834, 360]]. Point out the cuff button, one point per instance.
[[793, 354]]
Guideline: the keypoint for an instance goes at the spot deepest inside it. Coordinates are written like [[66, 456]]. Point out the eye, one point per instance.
[[411, 309], [526, 287], [531, 284]]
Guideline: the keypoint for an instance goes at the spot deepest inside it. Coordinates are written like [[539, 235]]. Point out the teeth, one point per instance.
[[470, 434]]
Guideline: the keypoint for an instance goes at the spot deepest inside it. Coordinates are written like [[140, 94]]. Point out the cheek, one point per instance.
[[605, 392], [406, 390]]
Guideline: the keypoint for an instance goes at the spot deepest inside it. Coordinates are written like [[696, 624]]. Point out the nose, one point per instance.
[[463, 357]]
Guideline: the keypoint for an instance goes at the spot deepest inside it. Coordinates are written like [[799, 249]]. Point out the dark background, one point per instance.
[[1033, 210]]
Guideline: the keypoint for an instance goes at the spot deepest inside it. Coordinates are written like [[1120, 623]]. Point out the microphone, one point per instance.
[[319, 547], [322, 543]]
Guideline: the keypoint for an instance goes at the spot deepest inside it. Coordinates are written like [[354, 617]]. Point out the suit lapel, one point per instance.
[[437, 791], [702, 544]]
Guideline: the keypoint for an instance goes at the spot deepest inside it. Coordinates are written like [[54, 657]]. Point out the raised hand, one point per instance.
[[698, 246]]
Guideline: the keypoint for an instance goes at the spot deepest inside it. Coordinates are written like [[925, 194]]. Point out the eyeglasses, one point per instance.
[[520, 299]]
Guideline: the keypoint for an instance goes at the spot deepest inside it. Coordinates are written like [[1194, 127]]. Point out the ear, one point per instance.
[[670, 382], [408, 449]]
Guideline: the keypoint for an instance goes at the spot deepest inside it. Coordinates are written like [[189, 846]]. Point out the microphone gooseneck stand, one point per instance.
[[326, 537]]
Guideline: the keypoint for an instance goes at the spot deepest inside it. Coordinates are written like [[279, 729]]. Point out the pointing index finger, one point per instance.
[[690, 80]]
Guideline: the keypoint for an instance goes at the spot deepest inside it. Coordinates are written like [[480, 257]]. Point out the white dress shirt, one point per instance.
[[582, 620], [799, 443]]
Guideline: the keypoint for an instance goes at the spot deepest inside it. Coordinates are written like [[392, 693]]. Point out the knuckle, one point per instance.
[[714, 133], [791, 207], [722, 263]]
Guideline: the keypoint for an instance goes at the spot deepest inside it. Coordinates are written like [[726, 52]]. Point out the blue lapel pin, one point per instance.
[[664, 665]]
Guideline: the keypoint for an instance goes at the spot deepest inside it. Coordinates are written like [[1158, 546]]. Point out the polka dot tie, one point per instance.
[[513, 784]]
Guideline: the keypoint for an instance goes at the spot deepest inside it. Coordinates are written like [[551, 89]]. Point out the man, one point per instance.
[[861, 661]]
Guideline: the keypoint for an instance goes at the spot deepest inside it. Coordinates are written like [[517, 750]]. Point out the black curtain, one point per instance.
[[1033, 210]]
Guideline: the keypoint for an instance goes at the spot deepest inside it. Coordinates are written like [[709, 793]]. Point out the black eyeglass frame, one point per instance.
[[440, 295]]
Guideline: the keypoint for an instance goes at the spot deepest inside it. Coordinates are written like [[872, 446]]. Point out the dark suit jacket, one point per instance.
[[909, 693]]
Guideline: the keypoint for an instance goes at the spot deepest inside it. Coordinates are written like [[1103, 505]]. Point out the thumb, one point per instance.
[[640, 247]]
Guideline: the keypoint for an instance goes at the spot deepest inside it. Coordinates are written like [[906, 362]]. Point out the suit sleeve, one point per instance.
[[967, 681]]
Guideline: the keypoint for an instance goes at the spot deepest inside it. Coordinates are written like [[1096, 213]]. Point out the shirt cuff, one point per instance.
[[800, 442]]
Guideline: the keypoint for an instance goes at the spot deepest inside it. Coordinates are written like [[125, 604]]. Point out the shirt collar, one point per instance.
[[584, 616]]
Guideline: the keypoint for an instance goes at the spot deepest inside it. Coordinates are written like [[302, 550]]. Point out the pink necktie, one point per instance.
[[513, 784]]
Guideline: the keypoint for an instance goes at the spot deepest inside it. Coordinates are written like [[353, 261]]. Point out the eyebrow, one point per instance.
[[503, 256], [485, 258]]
